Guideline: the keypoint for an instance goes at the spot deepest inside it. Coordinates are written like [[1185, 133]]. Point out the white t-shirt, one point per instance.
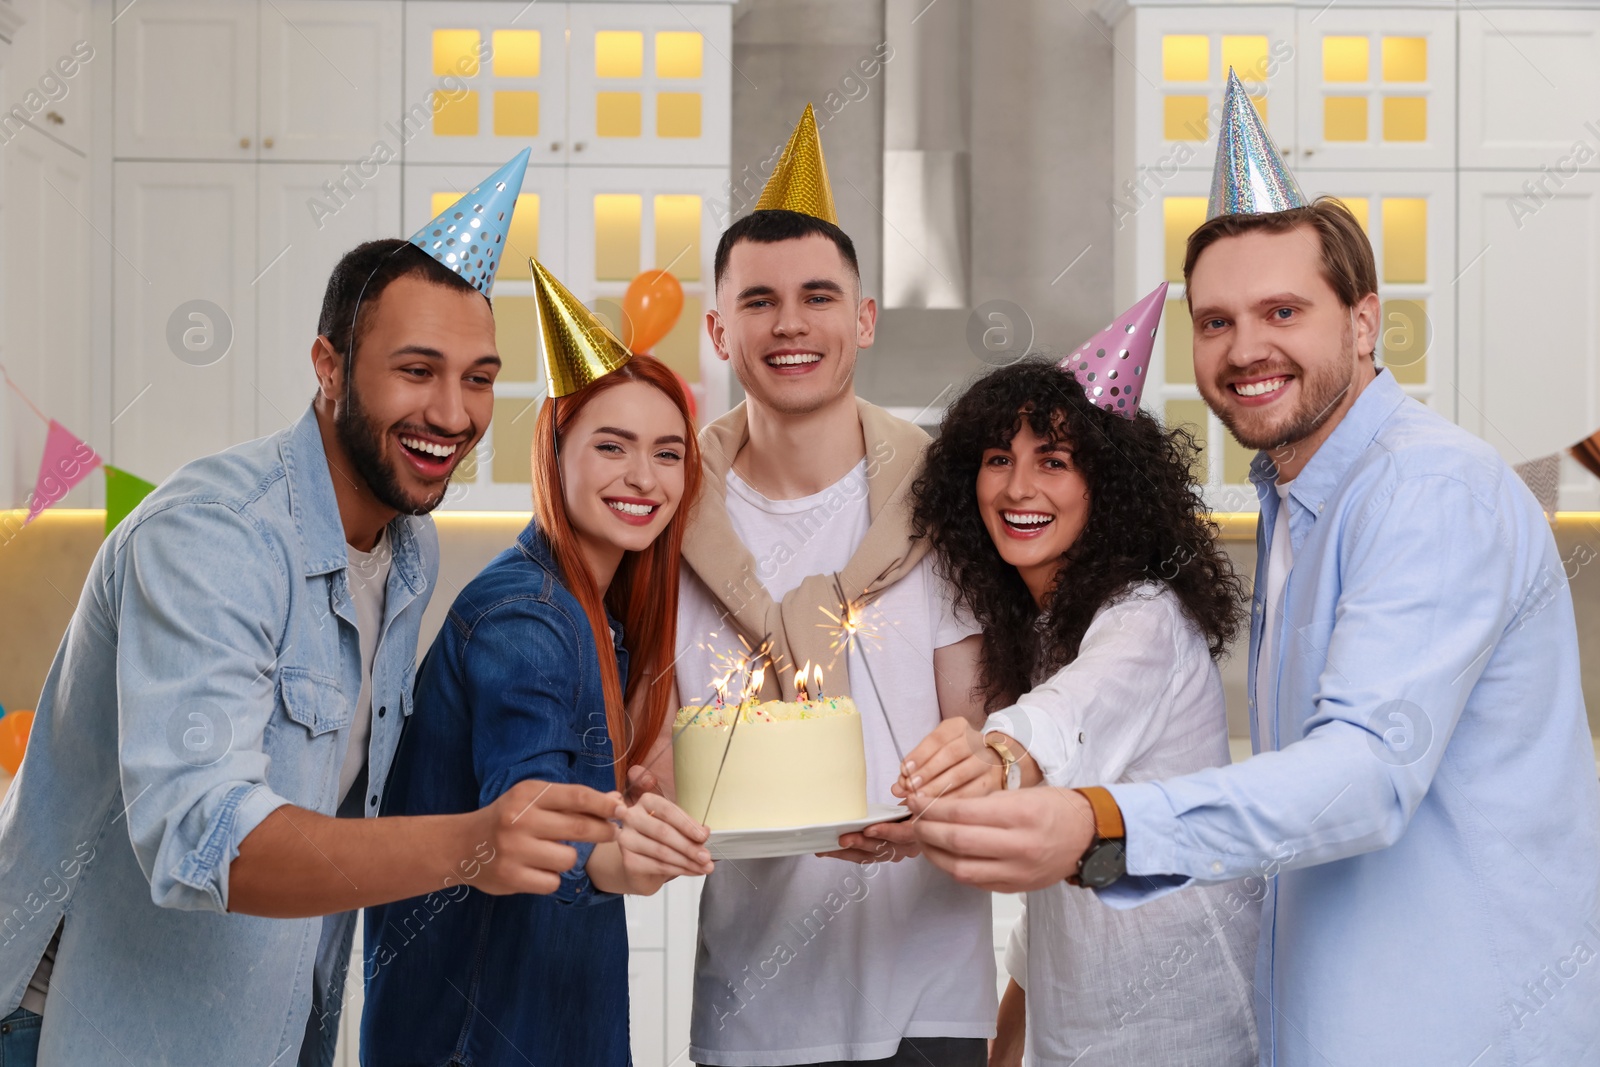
[[803, 959], [1170, 981], [1280, 561], [368, 577]]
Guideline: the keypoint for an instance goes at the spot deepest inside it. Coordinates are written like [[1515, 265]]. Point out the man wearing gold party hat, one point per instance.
[[805, 959], [1422, 813], [178, 888]]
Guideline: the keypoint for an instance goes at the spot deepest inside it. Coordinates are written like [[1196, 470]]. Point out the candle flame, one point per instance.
[[800, 684]]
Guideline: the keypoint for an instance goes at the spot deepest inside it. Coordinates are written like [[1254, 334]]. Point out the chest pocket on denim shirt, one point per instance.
[[315, 701]]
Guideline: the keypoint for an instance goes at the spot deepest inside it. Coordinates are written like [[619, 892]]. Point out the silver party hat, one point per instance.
[[1250, 177]]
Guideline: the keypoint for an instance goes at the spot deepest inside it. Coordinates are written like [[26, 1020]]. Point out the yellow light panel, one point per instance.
[[678, 54], [1186, 57], [516, 53], [456, 52], [616, 235], [618, 54]]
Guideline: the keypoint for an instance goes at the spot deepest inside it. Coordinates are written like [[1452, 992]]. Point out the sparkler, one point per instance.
[[850, 629]]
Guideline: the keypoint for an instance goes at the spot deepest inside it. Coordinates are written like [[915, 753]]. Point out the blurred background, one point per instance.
[[177, 178]]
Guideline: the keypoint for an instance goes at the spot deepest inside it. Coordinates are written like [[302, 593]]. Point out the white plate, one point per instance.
[[795, 840]]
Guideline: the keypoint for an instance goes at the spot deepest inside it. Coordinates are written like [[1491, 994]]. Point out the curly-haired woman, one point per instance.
[[1075, 536]]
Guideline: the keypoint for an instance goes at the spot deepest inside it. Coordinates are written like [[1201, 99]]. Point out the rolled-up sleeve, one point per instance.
[[1087, 722], [522, 711], [1417, 620], [201, 609]]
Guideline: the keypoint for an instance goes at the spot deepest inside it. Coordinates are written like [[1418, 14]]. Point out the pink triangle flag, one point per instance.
[[1112, 365], [67, 461]]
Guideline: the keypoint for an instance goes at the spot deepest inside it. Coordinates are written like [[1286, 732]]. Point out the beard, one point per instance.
[[1320, 393], [362, 439]]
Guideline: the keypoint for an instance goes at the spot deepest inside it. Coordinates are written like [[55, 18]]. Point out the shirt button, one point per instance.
[[1216, 866], [374, 803], [381, 711]]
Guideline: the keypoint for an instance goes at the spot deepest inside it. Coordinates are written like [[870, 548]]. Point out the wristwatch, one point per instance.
[[1105, 860], [1011, 775]]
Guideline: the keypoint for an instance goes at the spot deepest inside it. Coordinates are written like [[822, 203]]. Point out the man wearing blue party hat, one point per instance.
[[184, 842], [1422, 816]]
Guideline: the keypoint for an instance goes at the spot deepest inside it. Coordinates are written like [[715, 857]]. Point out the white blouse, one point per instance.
[[1168, 982]]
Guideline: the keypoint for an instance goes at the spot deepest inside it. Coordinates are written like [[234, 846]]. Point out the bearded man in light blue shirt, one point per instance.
[[237, 675], [1422, 814]]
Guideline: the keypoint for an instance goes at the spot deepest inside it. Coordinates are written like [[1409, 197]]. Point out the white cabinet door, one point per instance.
[[186, 80], [1530, 313], [183, 356], [646, 1007], [683, 940], [300, 241], [1410, 219], [1377, 88], [625, 220], [484, 80], [1181, 57], [330, 77], [650, 84], [51, 59], [1530, 87]]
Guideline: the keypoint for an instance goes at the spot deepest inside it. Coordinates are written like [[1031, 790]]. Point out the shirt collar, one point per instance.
[[1327, 469], [315, 509]]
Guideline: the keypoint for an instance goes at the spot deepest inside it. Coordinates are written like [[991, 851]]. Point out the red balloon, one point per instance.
[[14, 729], [650, 308]]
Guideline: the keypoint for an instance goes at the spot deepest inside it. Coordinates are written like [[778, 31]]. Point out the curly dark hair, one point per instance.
[[1147, 522]]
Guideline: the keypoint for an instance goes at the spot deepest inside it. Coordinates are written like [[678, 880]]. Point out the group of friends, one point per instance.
[[236, 756]]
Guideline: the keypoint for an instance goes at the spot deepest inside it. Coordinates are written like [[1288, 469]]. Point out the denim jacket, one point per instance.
[[509, 691], [208, 676]]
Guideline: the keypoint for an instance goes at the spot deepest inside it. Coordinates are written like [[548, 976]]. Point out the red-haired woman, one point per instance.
[[555, 663]]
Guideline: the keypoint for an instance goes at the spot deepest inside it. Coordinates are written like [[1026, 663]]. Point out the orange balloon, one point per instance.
[[650, 307], [14, 730]]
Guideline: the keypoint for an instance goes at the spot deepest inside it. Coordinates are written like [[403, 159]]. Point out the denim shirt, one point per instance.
[[208, 676], [1423, 813], [509, 691]]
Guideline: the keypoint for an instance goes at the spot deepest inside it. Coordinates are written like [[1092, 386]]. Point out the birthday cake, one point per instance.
[[788, 763]]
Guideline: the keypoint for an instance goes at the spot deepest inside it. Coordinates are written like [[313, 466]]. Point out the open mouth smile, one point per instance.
[[633, 511], [1026, 523], [431, 459]]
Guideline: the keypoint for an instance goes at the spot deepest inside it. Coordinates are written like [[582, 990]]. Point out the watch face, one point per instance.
[[1104, 863]]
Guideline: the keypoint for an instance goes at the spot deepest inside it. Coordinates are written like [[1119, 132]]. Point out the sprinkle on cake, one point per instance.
[[722, 715]]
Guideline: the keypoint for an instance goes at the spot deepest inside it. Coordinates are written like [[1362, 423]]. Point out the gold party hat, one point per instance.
[[800, 183], [576, 346]]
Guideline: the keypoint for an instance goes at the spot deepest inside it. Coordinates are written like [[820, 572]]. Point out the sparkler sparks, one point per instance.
[[851, 630]]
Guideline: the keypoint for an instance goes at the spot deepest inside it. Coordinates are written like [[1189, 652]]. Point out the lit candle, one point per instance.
[[800, 684], [816, 672]]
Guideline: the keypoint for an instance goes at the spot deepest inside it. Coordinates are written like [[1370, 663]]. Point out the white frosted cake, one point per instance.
[[791, 763]]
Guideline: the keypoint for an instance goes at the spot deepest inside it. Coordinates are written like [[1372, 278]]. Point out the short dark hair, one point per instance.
[[1347, 262], [770, 227], [363, 274]]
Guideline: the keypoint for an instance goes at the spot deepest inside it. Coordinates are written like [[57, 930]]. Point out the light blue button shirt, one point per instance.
[[1426, 809], [208, 676]]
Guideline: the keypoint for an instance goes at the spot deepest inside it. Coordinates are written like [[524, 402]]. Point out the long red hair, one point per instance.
[[643, 594]]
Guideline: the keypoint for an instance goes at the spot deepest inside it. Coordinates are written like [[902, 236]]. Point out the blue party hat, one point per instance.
[[469, 236], [1250, 177]]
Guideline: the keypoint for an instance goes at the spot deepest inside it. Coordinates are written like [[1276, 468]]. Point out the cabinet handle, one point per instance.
[[244, 142], [55, 118], [1284, 152], [1308, 151], [555, 146], [267, 143], [578, 147]]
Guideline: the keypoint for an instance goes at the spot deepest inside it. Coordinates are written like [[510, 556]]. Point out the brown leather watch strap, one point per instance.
[[1107, 816]]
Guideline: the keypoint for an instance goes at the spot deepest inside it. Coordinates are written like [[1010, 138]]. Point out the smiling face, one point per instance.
[[622, 470], [421, 391], [790, 319], [1275, 351], [1035, 503]]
